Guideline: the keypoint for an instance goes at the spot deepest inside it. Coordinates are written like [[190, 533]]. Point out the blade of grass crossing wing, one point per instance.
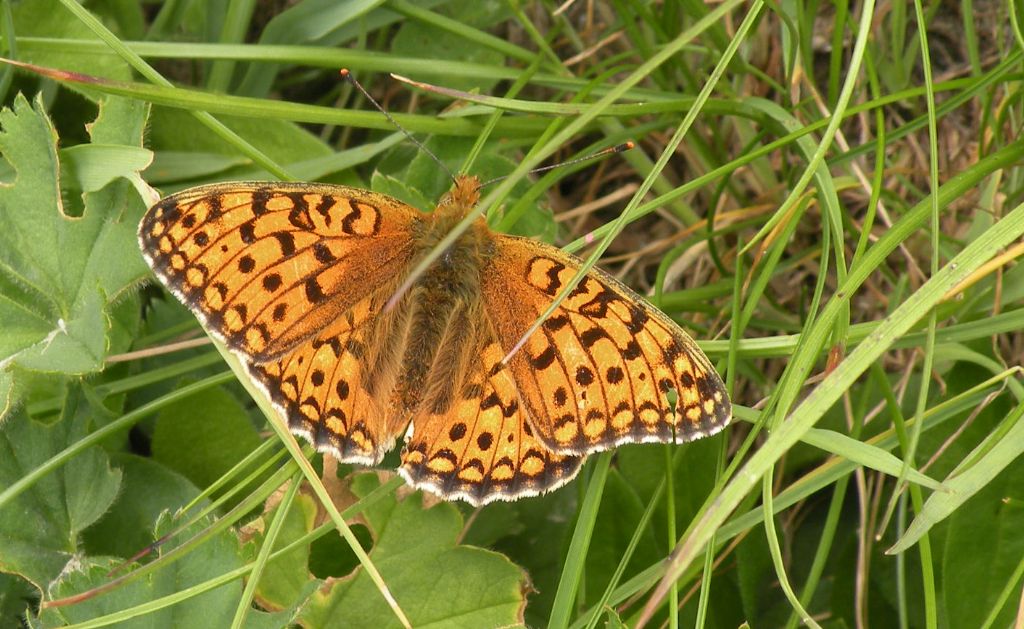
[[318, 487], [576, 558]]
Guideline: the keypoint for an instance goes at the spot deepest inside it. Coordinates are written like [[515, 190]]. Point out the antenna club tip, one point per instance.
[[625, 146], [344, 73]]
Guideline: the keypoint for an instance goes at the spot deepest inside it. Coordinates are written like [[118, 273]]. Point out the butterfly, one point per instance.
[[294, 278]]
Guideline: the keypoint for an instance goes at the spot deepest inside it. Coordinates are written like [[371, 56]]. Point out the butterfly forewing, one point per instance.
[[265, 265]]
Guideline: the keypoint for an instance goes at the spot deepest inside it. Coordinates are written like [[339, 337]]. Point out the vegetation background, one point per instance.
[[827, 195]]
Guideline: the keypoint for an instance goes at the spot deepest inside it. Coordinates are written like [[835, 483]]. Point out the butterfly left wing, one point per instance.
[[481, 448], [265, 266], [607, 367]]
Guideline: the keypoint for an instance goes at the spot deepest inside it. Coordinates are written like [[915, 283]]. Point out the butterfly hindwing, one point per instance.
[[324, 388], [607, 367], [266, 265], [482, 448]]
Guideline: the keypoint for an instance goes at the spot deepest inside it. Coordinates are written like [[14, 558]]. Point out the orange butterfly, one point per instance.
[[293, 277]]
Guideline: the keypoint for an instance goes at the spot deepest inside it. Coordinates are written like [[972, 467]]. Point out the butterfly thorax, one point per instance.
[[435, 323]]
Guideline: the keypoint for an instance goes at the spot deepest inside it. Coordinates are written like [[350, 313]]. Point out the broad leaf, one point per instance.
[[436, 581], [66, 255], [212, 608], [40, 528]]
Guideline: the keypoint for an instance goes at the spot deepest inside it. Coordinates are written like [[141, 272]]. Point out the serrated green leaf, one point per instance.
[[74, 345], [39, 529], [147, 490], [213, 608], [65, 270], [93, 166]]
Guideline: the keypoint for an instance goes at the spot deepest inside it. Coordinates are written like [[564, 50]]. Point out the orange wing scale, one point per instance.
[[321, 388]]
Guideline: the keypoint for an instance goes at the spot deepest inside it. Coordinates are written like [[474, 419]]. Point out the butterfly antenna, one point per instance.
[[345, 74], [611, 150]]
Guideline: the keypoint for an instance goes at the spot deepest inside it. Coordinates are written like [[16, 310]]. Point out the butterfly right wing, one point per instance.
[[266, 266]]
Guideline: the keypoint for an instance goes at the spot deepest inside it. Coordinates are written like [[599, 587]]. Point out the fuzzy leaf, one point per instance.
[[65, 258], [204, 436], [213, 608], [39, 529]]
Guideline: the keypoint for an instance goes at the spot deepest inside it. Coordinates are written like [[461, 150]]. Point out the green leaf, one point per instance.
[[204, 436], [67, 268], [983, 547], [538, 537], [178, 132], [411, 545], [755, 576], [643, 467], [47, 18], [147, 490], [213, 608], [40, 528], [617, 519], [285, 578], [997, 447], [305, 22], [171, 166], [93, 166], [418, 39], [7, 394], [15, 595]]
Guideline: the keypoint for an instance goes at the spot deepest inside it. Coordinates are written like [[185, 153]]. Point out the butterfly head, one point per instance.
[[463, 197]]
